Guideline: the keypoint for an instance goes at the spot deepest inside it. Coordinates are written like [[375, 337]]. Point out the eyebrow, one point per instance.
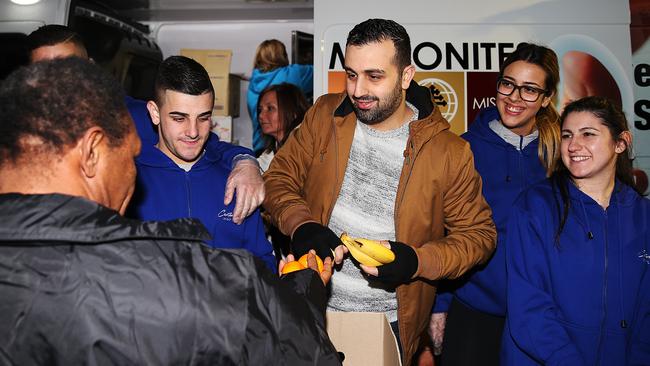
[[367, 71], [183, 114], [525, 82], [582, 129]]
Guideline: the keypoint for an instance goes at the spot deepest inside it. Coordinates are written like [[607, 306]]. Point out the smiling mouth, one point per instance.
[[579, 158], [364, 104], [514, 109]]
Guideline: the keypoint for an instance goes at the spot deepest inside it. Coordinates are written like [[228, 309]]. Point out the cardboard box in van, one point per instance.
[[225, 84], [363, 338]]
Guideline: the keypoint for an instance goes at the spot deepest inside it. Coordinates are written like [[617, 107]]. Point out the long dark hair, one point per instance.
[[547, 117], [612, 117], [292, 106]]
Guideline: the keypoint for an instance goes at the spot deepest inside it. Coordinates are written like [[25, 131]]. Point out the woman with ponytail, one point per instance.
[[515, 144], [578, 255]]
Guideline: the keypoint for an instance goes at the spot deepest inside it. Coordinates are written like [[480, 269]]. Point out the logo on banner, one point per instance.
[[444, 95], [448, 91]]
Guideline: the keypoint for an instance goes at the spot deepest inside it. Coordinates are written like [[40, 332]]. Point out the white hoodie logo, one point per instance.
[[225, 215], [644, 256]]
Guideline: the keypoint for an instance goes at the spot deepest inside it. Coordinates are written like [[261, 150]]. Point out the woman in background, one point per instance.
[[577, 252], [272, 67], [280, 110], [515, 144]]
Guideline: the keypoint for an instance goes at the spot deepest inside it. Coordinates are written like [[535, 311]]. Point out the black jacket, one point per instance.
[[80, 284]]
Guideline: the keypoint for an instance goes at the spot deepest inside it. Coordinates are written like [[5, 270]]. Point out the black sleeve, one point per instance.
[[287, 319]]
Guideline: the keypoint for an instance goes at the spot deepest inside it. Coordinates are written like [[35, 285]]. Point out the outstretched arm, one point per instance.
[[289, 322]]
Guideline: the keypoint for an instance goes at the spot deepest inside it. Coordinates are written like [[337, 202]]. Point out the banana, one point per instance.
[[376, 250], [368, 252]]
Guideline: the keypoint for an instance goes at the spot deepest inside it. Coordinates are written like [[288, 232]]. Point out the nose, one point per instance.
[[574, 144], [192, 130], [360, 88], [516, 94]]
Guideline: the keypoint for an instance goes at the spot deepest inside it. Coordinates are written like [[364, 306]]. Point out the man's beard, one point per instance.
[[383, 110]]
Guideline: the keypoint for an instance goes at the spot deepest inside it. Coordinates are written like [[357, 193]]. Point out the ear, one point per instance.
[[546, 100], [623, 142], [90, 148], [407, 75], [154, 112]]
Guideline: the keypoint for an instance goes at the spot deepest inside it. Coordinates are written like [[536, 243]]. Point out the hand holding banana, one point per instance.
[[390, 261], [368, 252]]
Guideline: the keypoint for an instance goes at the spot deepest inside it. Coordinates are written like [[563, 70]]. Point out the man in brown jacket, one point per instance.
[[380, 162]]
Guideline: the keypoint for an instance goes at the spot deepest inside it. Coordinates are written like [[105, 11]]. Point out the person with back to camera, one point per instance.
[[272, 67], [379, 162], [281, 109], [82, 285], [577, 252], [514, 144]]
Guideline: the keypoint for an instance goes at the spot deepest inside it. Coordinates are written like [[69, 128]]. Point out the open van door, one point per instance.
[[119, 44]]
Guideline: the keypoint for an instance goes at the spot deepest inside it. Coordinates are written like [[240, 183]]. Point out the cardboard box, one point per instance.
[[222, 126], [226, 85], [364, 338]]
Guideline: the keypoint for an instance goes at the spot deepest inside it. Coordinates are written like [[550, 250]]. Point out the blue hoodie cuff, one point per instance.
[[566, 356]]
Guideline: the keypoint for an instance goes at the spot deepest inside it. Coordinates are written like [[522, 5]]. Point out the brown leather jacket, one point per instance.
[[439, 208]]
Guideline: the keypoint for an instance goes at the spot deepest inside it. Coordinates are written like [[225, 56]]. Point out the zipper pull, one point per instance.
[[623, 324]]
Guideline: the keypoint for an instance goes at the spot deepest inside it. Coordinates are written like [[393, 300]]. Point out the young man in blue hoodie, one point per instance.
[[58, 41], [182, 175]]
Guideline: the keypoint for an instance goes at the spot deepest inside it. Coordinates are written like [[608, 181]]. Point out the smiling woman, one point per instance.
[[578, 284], [515, 145]]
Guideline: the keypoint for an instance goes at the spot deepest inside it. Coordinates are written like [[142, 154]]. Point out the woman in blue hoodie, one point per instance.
[[271, 68], [577, 250], [514, 145]]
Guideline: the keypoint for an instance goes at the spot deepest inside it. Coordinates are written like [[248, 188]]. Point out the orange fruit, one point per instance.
[[292, 267], [303, 261]]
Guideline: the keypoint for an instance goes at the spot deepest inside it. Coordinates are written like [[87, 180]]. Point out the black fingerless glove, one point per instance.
[[315, 236], [402, 269]]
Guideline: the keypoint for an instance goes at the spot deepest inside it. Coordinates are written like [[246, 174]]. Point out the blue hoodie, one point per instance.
[[166, 192], [576, 302], [301, 76], [505, 172]]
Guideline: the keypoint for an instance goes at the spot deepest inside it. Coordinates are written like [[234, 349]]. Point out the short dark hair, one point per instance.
[[53, 103], [292, 106], [53, 34], [181, 74], [378, 30]]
